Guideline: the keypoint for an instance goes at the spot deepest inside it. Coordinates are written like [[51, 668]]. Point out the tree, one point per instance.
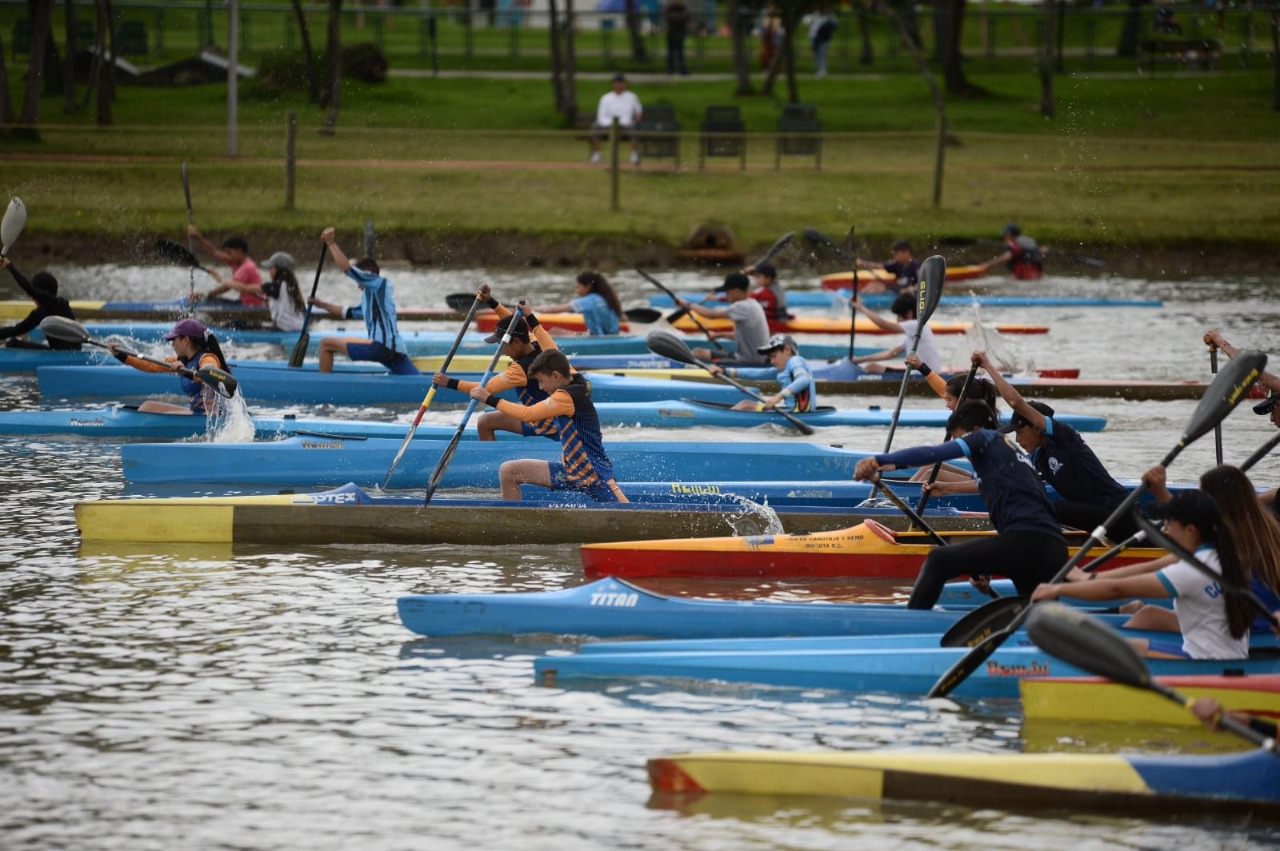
[[41, 13], [1047, 60], [939, 100], [6, 101], [308, 53], [789, 12], [105, 72], [1132, 29], [333, 93], [638, 52], [738, 29], [564, 88], [69, 105], [949, 18], [862, 10]]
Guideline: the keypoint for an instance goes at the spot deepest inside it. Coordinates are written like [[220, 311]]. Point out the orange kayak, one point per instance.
[[840, 280], [832, 325]]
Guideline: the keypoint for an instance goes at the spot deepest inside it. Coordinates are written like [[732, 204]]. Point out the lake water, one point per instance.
[[267, 698]]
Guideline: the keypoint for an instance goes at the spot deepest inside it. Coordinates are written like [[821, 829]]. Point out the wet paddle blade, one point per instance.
[[66, 330], [299, 353], [981, 623], [460, 302], [15, 219], [642, 315], [933, 276], [178, 255], [781, 243], [220, 381], [1087, 643], [668, 345]]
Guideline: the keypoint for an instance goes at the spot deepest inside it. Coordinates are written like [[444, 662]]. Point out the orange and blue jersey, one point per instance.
[[194, 389]]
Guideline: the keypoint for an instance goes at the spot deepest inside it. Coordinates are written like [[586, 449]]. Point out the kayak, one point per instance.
[[831, 325], [121, 421], [609, 608], [487, 321], [841, 280], [867, 550], [335, 460], [350, 515], [904, 664], [1096, 699], [878, 301], [216, 310], [1119, 784]]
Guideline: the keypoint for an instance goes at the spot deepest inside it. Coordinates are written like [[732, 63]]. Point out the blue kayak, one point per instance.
[[306, 461], [840, 298], [905, 664], [609, 608]]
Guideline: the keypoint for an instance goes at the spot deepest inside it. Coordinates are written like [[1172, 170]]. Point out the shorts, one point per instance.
[[367, 350], [1167, 648], [598, 132], [601, 491]]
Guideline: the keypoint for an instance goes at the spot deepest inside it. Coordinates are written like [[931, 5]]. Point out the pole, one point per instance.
[[233, 64], [290, 157]]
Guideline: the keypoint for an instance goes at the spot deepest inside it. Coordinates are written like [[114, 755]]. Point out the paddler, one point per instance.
[[196, 348], [583, 467], [798, 393], [904, 309], [750, 326], [1270, 407], [1023, 255], [43, 290]]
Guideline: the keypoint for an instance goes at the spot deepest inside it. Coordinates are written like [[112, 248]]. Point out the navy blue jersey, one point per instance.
[[907, 274], [1067, 463]]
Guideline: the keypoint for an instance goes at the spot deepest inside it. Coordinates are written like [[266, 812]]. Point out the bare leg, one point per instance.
[[329, 346], [495, 421], [512, 474], [702, 354], [153, 407], [1154, 618]]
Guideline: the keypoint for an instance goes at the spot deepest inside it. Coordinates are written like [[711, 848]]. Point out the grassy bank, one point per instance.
[[1183, 163]]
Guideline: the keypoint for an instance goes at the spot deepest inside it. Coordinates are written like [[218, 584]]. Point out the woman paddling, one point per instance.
[[596, 301], [284, 296], [195, 348]]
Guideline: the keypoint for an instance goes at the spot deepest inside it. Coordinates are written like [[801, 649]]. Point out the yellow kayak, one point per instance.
[[1095, 699]]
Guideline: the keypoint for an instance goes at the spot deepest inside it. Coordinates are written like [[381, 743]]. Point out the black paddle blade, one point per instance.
[[777, 246], [178, 255], [460, 302], [642, 315], [983, 622], [817, 237], [66, 330], [299, 354], [1228, 389], [933, 276], [668, 345], [1087, 643], [221, 381]]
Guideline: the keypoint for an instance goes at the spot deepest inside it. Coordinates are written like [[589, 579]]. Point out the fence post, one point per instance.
[[613, 164], [290, 157]]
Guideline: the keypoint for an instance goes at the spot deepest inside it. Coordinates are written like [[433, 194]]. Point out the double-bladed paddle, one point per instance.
[[15, 219], [965, 241], [1220, 398], [177, 254], [677, 314], [69, 331], [299, 353], [668, 345], [933, 275], [426, 402], [516, 323], [1089, 644]]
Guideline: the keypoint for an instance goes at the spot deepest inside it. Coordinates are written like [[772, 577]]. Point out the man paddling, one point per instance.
[[750, 326], [1029, 548], [798, 393], [1022, 254], [1270, 407], [43, 290], [583, 465], [904, 309], [522, 350]]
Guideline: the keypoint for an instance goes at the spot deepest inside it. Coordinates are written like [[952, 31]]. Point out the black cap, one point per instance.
[[734, 281], [1268, 405], [1017, 421], [766, 269], [521, 333], [1012, 229], [619, 77]]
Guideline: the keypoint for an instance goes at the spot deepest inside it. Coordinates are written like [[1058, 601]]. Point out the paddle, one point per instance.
[[651, 279], [191, 241], [1089, 644], [178, 255], [1262, 452], [668, 345], [937, 466], [1213, 369], [15, 219], [979, 623], [516, 323], [60, 328], [299, 353], [815, 236], [933, 275], [1220, 398], [916, 519], [1159, 537], [426, 402], [965, 241]]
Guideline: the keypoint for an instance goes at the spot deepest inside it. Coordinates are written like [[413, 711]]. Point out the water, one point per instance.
[[263, 698]]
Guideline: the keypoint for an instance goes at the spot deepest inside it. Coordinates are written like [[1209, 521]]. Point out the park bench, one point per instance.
[[799, 134], [659, 133], [1183, 51], [723, 135]]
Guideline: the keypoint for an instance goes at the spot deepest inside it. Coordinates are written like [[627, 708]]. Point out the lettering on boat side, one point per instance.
[[334, 498], [76, 421], [322, 444], [1033, 669], [674, 412], [680, 487], [615, 599]]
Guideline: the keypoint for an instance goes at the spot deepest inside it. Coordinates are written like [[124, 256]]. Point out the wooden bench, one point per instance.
[[1183, 51]]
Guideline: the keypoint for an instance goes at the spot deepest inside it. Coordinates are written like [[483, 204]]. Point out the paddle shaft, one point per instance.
[[675, 300], [933, 274], [1213, 369], [299, 353], [426, 402], [937, 467], [853, 267], [445, 457], [906, 509], [1262, 452]]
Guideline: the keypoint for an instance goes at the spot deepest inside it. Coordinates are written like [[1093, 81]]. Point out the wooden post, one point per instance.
[[290, 157], [613, 164]]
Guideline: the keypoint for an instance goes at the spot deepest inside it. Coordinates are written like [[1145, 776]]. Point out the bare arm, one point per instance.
[[1008, 393], [1214, 338], [881, 321], [334, 251], [208, 246]]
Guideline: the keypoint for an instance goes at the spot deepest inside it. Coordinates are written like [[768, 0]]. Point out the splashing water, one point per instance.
[[1000, 351], [755, 518], [230, 422]]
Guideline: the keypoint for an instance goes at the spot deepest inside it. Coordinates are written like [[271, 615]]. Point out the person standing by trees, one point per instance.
[[822, 28], [675, 19]]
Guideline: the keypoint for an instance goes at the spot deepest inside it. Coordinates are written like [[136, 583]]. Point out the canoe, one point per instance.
[[125, 422], [1119, 784], [842, 280], [326, 461], [903, 664], [867, 550], [1095, 699], [832, 325], [882, 301], [610, 608], [350, 515]]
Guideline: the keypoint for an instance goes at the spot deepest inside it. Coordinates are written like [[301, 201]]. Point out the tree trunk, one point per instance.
[[1275, 59], [6, 100], [1131, 30], [868, 56], [553, 36], [1047, 59], [333, 96], [638, 52], [40, 13], [308, 53], [106, 83], [570, 65], [69, 105], [939, 100], [741, 59], [791, 20], [950, 17]]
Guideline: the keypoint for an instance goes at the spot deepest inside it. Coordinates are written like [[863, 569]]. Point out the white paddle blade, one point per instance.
[[15, 219]]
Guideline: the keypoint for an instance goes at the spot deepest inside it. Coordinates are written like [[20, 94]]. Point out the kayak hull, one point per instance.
[[831, 325], [1113, 783], [1094, 699]]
